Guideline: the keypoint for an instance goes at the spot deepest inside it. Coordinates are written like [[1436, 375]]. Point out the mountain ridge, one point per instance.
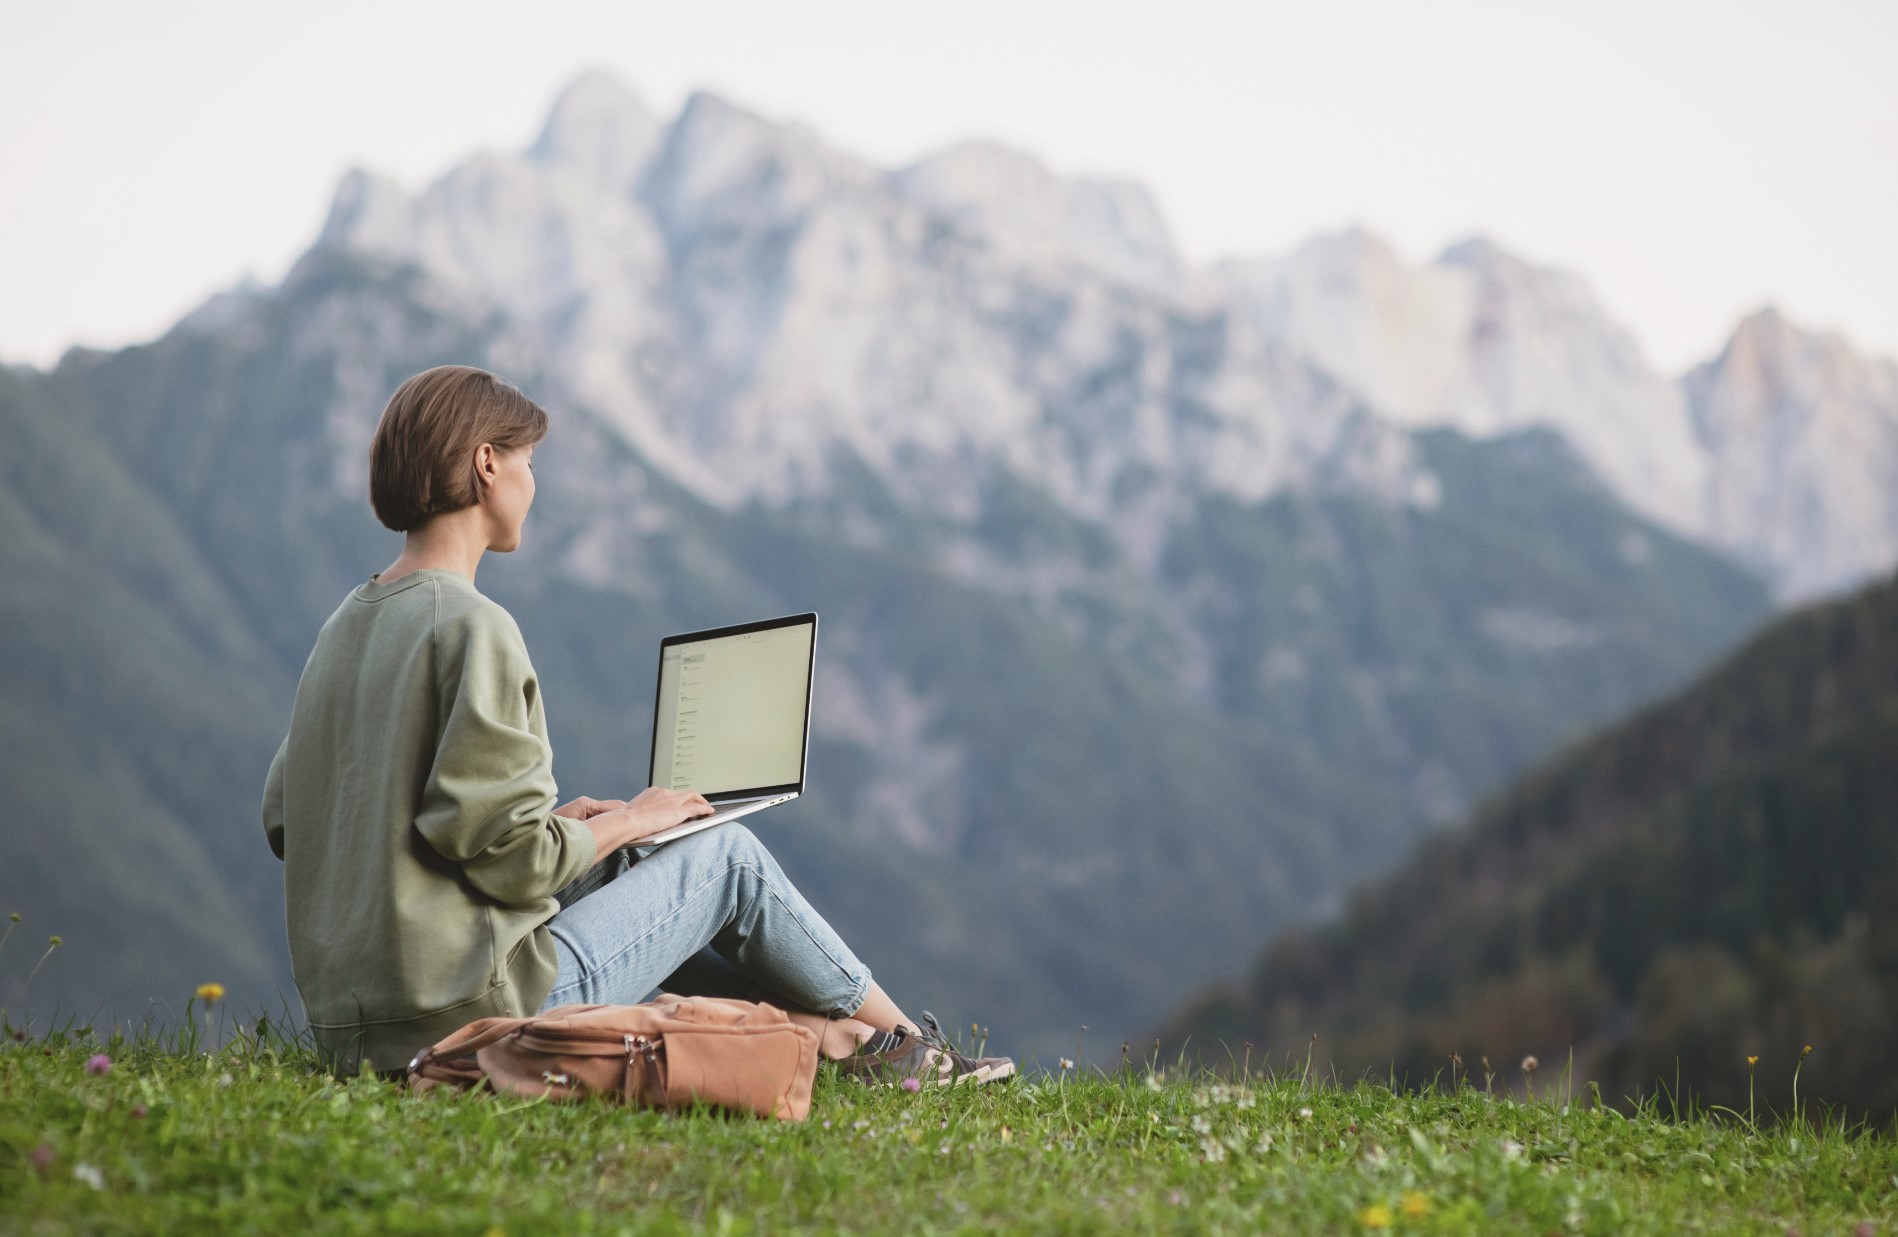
[[1477, 339]]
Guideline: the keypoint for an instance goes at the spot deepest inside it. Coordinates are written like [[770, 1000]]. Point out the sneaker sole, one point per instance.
[[982, 1074], [977, 1076]]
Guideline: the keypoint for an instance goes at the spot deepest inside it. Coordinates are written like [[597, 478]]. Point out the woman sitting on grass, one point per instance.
[[429, 878]]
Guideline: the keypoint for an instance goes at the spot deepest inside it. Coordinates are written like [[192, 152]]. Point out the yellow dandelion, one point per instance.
[[1805, 1052], [1377, 1215], [211, 993], [1752, 1061], [1414, 1204]]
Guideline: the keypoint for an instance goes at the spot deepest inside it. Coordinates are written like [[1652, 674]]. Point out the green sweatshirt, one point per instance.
[[412, 806]]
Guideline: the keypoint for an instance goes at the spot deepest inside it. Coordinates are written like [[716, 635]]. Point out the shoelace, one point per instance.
[[934, 1036], [949, 1059]]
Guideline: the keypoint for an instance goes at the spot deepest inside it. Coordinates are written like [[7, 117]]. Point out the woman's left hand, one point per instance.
[[584, 808]]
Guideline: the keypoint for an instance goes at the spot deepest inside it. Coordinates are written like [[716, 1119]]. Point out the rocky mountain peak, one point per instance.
[[1803, 434], [1018, 206], [600, 129], [989, 188], [1772, 368], [1484, 342], [1760, 354], [1478, 253], [1394, 332], [369, 213], [1774, 353], [720, 161], [1536, 298], [1767, 320]]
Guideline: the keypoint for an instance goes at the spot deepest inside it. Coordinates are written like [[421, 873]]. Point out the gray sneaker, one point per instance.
[[925, 1056]]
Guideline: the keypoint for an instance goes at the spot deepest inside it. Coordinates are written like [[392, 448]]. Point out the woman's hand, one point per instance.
[[653, 810]]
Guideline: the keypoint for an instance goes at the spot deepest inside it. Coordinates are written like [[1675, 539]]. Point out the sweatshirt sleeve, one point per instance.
[[273, 800], [489, 800]]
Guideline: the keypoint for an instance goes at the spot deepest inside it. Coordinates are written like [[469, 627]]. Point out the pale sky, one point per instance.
[[1692, 159]]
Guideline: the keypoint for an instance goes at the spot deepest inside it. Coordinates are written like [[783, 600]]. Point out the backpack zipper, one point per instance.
[[638, 1046]]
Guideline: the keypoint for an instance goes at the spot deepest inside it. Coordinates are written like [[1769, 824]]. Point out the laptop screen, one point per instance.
[[733, 708]]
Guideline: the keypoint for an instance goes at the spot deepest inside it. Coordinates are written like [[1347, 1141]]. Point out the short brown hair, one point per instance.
[[421, 461]]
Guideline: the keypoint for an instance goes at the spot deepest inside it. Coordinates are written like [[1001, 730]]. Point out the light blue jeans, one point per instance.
[[710, 914]]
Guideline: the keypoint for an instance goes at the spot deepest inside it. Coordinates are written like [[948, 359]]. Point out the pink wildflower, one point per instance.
[[99, 1063], [912, 1084]]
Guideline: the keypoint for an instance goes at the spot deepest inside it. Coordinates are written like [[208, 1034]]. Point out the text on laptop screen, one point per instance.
[[731, 711]]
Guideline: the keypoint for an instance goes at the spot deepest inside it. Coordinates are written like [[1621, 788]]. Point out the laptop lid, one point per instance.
[[732, 716]]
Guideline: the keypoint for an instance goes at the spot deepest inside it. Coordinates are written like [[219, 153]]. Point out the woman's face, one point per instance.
[[509, 493]]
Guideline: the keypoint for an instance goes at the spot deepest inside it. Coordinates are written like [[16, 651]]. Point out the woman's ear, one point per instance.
[[487, 466]]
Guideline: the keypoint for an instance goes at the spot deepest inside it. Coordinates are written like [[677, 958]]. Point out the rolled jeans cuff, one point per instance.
[[859, 993]]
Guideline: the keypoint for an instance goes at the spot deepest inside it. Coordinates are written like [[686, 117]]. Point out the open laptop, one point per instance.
[[733, 717]]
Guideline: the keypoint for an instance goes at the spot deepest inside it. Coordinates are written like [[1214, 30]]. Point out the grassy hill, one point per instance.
[[1712, 880], [253, 1139]]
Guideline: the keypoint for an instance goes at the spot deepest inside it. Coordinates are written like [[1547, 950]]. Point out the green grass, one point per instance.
[[252, 1137]]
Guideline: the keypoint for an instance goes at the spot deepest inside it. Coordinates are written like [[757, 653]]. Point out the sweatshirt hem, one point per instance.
[[390, 1044]]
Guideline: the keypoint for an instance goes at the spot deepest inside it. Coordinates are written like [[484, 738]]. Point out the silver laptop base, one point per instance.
[[725, 812]]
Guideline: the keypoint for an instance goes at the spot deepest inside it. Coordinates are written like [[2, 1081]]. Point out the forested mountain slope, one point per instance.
[[1713, 879]]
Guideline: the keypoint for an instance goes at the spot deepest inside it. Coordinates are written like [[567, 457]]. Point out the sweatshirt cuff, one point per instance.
[[580, 841]]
